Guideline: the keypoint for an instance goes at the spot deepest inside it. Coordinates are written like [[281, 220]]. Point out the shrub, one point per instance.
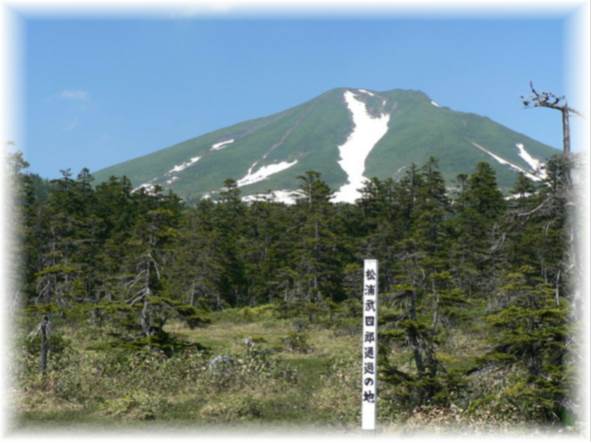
[[296, 342], [137, 404]]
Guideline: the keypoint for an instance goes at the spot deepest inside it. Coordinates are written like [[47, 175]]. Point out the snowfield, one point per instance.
[[506, 162], [149, 188], [365, 91], [534, 163], [282, 196], [434, 103], [221, 145], [263, 172], [520, 195], [367, 131], [185, 165]]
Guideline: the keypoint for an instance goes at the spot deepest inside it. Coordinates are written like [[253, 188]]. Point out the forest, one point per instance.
[[137, 307]]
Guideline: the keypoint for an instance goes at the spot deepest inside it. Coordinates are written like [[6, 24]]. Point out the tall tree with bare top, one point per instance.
[[552, 101]]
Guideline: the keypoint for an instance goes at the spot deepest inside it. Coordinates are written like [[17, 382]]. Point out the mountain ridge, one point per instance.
[[268, 153]]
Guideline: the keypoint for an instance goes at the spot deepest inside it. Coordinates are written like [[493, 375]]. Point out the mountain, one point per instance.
[[346, 134]]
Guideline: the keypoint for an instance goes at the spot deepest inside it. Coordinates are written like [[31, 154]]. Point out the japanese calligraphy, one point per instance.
[[370, 337], [369, 347], [369, 396]]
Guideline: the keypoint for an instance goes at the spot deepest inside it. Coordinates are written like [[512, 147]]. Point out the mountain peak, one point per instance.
[[347, 134]]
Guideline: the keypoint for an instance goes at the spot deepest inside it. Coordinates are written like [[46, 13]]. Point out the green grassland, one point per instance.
[[284, 377], [295, 375]]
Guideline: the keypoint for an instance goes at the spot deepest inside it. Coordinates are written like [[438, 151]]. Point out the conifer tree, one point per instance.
[[479, 210], [531, 332], [63, 222], [147, 290], [381, 218], [266, 248], [316, 255], [423, 294], [197, 268], [229, 219]]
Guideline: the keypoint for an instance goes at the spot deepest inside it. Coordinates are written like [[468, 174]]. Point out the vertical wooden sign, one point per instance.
[[369, 345]]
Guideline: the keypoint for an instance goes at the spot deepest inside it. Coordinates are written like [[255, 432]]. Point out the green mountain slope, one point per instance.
[[270, 152]]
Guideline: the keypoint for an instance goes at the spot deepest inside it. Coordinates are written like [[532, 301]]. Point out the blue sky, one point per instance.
[[101, 91]]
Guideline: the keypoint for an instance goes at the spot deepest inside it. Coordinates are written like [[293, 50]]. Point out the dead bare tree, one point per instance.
[[42, 330], [550, 100]]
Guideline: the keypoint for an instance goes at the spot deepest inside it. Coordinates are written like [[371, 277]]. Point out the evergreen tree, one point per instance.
[[479, 211], [452, 264], [147, 288], [316, 252], [266, 249], [198, 268], [423, 294], [229, 219], [531, 332]]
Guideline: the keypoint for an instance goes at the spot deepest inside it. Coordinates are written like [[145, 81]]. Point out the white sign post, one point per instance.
[[369, 348]]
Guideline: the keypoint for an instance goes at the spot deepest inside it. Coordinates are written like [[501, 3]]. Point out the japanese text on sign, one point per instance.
[[369, 346]]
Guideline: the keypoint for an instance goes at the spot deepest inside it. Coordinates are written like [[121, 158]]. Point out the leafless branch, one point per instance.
[[536, 209], [546, 99]]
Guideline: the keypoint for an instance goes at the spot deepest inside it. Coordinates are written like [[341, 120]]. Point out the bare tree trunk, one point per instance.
[[145, 317], [557, 289], [435, 319], [412, 336], [316, 254], [565, 132], [44, 333], [145, 312], [552, 101], [96, 317], [193, 295]]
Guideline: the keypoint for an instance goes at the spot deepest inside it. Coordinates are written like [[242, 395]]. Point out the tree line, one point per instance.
[[129, 262]]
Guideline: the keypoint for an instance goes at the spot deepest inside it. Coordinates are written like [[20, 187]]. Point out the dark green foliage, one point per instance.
[[129, 264]]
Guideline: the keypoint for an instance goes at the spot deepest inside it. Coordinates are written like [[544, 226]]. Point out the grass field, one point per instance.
[[283, 377], [293, 376]]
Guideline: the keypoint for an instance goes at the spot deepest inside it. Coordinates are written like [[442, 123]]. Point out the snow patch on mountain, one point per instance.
[[506, 162], [171, 180], [221, 145], [518, 195], [185, 165], [263, 172], [367, 131], [148, 187], [365, 91], [281, 196], [434, 103], [534, 163]]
